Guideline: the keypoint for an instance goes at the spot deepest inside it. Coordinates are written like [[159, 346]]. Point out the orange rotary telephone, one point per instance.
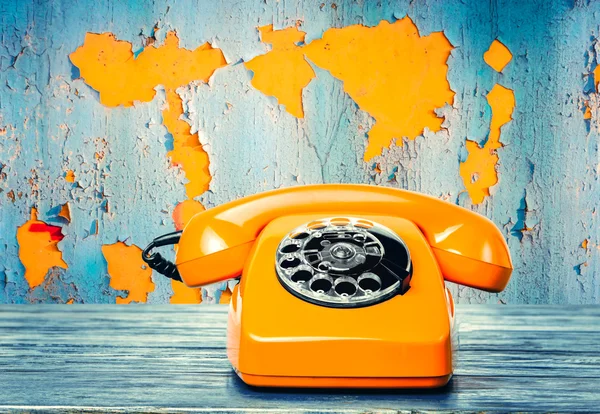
[[341, 285]]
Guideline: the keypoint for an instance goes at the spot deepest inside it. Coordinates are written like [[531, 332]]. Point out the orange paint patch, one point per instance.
[[128, 272], [38, 249], [478, 172], [184, 211], [225, 296], [70, 176], [597, 76], [185, 295], [65, 212], [391, 72], [502, 102], [587, 114], [108, 66], [187, 151], [497, 56], [283, 72]]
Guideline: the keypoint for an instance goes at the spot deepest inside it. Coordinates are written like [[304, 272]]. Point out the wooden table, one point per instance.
[[172, 359]]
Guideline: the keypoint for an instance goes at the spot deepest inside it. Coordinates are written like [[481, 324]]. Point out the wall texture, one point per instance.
[[120, 120]]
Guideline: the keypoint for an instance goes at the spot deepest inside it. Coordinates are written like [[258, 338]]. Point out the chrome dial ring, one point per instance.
[[343, 262]]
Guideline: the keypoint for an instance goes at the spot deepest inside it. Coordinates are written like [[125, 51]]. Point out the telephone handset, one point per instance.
[[330, 272]]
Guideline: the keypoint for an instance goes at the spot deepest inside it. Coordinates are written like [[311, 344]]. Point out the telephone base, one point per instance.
[[285, 341], [341, 382]]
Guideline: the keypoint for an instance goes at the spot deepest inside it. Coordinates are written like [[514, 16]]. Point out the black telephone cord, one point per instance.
[[156, 261]]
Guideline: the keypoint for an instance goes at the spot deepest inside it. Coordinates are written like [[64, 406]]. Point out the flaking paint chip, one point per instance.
[[38, 249], [479, 171], [65, 212], [70, 176], [497, 56]]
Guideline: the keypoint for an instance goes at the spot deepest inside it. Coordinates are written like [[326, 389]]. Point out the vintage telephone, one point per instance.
[[341, 285]]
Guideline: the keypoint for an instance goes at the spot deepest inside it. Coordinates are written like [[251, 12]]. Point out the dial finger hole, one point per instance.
[[345, 286], [290, 248], [369, 282], [289, 262], [316, 225], [321, 284], [301, 275], [300, 236], [363, 224], [340, 221]]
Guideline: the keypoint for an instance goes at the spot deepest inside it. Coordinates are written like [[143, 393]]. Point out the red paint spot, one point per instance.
[[54, 231]]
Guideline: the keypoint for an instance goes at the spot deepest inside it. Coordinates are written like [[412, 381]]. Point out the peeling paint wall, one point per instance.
[[120, 120]]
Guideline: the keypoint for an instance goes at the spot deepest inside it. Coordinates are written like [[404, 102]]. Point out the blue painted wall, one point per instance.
[[546, 200]]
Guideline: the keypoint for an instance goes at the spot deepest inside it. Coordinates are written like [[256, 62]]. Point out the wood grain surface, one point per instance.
[[157, 358]]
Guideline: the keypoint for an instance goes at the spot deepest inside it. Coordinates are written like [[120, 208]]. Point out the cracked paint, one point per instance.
[[187, 151], [129, 173], [38, 249], [106, 65], [479, 170], [128, 272], [399, 92]]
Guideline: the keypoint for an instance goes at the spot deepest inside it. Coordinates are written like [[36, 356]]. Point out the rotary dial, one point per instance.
[[343, 262]]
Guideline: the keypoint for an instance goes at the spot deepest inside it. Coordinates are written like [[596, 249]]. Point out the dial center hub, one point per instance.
[[343, 251]]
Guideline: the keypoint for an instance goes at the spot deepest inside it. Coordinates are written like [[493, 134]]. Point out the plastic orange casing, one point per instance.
[[277, 339], [469, 248]]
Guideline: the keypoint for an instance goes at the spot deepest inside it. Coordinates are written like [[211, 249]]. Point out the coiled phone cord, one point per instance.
[[156, 261]]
